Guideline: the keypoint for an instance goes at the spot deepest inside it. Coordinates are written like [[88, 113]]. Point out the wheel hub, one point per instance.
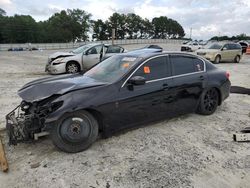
[[75, 128]]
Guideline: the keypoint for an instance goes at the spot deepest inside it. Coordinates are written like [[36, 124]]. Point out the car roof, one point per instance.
[[147, 53]]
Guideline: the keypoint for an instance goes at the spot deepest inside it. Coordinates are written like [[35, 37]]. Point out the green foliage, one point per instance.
[[167, 28], [19, 29], [233, 38], [74, 25], [2, 12], [100, 29]]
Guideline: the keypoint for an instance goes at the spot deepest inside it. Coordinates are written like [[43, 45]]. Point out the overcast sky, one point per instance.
[[206, 17]]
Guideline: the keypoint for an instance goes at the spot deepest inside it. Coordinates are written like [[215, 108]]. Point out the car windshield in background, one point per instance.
[[112, 69], [82, 49], [215, 46]]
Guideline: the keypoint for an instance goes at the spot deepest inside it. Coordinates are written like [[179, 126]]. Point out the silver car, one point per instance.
[[80, 59]]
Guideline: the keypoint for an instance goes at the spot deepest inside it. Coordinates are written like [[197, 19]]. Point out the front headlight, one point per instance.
[[58, 60]]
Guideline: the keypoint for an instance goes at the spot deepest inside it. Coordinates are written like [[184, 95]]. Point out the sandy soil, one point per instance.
[[189, 151]]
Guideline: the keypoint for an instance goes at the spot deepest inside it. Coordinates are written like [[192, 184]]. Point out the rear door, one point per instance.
[[189, 80]]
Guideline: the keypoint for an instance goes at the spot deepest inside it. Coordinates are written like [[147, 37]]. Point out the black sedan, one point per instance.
[[121, 92]]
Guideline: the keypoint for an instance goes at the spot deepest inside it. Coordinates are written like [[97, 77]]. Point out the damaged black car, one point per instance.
[[121, 92]]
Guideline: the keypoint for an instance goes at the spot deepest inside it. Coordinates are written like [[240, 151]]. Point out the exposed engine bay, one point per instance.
[[27, 120]]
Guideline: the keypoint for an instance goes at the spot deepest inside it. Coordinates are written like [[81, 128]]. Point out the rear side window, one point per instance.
[[114, 49], [153, 69], [237, 46], [198, 65], [232, 46], [185, 65]]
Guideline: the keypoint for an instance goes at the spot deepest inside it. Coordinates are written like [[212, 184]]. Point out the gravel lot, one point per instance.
[[189, 151]]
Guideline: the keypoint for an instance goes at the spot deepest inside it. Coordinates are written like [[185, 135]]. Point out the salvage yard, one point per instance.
[[189, 151]]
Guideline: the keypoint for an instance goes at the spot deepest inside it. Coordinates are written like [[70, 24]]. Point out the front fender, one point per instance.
[[72, 101]]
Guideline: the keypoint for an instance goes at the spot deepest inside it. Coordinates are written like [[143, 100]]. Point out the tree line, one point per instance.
[[75, 25], [233, 38]]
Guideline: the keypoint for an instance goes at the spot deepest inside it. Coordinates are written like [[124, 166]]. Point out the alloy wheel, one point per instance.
[[211, 100], [72, 68]]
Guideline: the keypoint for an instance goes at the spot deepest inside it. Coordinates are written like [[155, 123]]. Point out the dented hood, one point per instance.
[[43, 88], [61, 54]]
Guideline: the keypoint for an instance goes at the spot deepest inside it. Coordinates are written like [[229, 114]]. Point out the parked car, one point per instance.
[[16, 49], [191, 46], [121, 92], [80, 59], [154, 46], [218, 52], [244, 45]]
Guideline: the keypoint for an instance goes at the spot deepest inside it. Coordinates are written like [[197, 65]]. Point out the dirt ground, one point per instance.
[[189, 151]]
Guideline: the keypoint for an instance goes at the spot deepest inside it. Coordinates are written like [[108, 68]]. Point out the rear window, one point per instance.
[[185, 65]]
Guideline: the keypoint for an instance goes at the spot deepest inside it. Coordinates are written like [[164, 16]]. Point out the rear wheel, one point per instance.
[[72, 67], [208, 102], [75, 132], [237, 59], [217, 59]]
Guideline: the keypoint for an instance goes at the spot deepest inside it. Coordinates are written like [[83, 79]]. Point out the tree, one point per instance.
[[117, 21], [74, 25], [167, 28], [19, 29], [133, 24], [2, 12], [100, 30], [80, 24]]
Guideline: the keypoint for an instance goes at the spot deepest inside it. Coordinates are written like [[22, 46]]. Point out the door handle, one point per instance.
[[165, 86], [201, 77]]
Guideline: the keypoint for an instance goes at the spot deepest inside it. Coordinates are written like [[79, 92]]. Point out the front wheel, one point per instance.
[[75, 132], [208, 102], [72, 67], [217, 59], [237, 59]]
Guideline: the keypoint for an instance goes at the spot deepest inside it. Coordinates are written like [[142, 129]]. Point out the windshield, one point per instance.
[[215, 46], [82, 48], [112, 69]]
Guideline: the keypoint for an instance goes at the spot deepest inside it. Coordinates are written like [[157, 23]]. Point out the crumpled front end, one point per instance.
[[27, 121]]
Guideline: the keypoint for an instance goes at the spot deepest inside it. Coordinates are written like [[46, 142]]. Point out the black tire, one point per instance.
[[72, 67], [237, 59], [75, 132], [217, 59], [208, 102]]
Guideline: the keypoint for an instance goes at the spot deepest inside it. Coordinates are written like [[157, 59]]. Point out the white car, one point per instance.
[[191, 46], [80, 59]]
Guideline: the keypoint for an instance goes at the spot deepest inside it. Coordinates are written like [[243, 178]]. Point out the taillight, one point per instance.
[[227, 75]]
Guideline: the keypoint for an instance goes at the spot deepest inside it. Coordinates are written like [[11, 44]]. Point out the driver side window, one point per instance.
[[95, 50], [153, 69], [226, 47]]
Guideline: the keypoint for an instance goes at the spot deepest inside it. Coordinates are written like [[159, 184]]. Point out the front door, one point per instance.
[[226, 53], [138, 104], [92, 56]]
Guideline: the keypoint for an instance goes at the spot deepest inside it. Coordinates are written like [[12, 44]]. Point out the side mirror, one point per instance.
[[137, 80]]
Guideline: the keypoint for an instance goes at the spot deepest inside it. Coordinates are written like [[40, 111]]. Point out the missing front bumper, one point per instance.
[[21, 127], [14, 128]]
